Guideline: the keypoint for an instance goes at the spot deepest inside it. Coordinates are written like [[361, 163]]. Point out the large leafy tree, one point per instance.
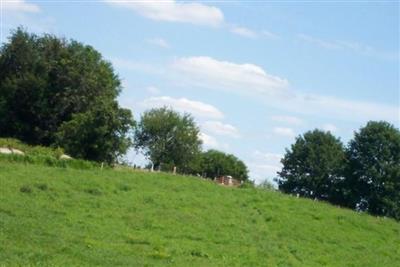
[[214, 163], [168, 138], [313, 167], [103, 128], [374, 169], [46, 81]]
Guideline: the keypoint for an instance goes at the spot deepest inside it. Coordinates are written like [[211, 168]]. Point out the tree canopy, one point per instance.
[[214, 163], [45, 82], [373, 176], [365, 176], [168, 138], [313, 167]]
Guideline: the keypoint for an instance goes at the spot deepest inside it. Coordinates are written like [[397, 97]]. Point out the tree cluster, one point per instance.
[[169, 139], [61, 93], [55, 92], [214, 163], [364, 176]]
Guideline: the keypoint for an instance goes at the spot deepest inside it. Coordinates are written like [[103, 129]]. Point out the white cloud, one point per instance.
[[318, 42], [288, 120], [249, 33], [196, 108], [243, 31], [283, 131], [344, 109], [186, 12], [208, 140], [153, 90], [356, 47], [253, 80], [268, 157], [172, 11], [160, 42], [212, 73], [264, 166], [269, 34], [220, 128], [20, 6], [329, 127]]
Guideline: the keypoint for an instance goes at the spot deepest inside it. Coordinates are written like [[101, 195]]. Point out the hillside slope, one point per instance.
[[68, 217]]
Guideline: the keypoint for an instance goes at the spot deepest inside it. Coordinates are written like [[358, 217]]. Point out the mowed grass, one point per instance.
[[66, 217]]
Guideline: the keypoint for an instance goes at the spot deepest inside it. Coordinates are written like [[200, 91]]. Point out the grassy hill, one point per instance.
[[52, 216]]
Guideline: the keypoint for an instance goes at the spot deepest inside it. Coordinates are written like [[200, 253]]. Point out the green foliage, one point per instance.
[[168, 139], [46, 81], [83, 138], [214, 163], [313, 167], [178, 221], [373, 178], [364, 177]]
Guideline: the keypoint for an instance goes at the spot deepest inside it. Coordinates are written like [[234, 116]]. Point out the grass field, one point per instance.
[[68, 217]]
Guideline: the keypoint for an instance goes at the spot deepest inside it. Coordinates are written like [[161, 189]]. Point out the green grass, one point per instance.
[[41, 155], [67, 217]]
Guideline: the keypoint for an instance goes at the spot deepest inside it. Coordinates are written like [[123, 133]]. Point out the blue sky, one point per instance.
[[254, 74]]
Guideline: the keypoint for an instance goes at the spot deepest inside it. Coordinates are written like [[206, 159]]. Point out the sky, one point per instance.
[[254, 74]]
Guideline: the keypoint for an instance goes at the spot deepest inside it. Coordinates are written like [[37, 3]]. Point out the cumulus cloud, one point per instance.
[[172, 11], [283, 131], [253, 80], [219, 128], [213, 73], [196, 108], [287, 119], [160, 42], [20, 6]]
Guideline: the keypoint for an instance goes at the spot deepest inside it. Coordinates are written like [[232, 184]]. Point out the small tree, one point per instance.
[[215, 163], [373, 176], [167, 138], [313, 167]]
